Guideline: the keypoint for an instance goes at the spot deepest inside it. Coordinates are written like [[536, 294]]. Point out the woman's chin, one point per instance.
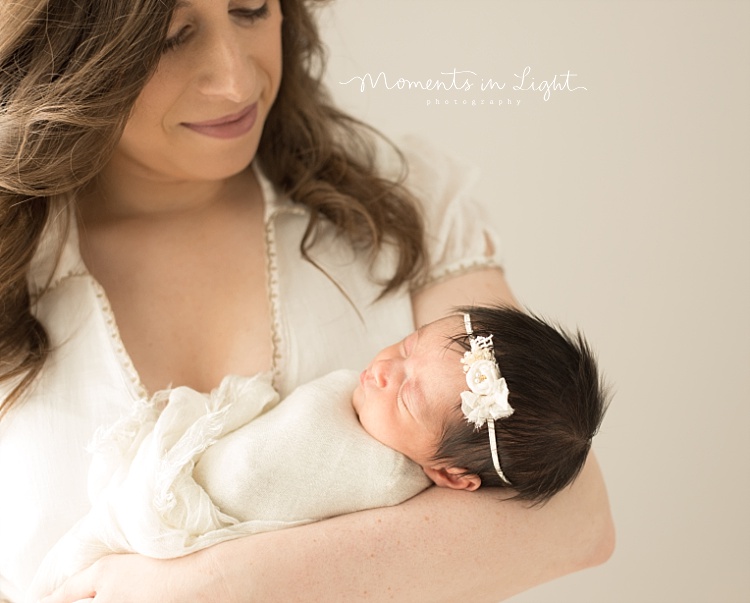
[[211, 170]]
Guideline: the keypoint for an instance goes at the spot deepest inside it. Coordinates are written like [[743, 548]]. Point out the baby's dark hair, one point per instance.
[[558, 399]]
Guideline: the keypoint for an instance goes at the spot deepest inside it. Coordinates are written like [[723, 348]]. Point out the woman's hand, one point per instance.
[[137, 579]]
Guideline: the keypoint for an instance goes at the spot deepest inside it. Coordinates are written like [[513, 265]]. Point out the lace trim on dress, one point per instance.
[[456, 269], [273, 206], [272, 282], [134, 379], [36, 292]]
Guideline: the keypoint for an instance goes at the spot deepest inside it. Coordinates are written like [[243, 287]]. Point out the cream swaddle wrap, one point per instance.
[[208, 468]]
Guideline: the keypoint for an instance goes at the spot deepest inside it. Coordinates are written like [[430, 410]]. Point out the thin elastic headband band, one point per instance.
[[487, 399]]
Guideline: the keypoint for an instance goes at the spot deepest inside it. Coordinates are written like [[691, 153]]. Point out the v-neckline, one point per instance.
[[137, 389]]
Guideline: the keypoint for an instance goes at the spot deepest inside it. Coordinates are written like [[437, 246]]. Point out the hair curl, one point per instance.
[[326, 159]]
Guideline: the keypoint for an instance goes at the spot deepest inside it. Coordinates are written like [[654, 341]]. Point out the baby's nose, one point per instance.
[[384, 372]]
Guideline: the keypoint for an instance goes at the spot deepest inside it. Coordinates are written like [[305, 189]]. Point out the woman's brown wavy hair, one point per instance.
[[70, 73]]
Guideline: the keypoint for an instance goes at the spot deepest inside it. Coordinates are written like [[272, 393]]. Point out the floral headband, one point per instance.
[[488, 399]]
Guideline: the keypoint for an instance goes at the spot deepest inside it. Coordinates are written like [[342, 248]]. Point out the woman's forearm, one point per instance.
[[440, 546]]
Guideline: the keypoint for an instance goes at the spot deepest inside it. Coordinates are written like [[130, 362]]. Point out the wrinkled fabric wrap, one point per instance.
[[209, 468]]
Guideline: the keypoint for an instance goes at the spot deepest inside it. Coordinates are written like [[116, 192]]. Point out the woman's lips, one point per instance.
[[229, 126]]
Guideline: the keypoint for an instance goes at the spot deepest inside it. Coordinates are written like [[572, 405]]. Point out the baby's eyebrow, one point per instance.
[[413, 335]]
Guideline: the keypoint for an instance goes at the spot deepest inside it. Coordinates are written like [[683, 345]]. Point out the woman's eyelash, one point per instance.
[[176, 40], [252, 14], [249, 15]]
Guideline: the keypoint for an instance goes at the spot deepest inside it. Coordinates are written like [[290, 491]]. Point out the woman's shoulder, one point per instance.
[[458, 233], [58, 255], [429, 170]]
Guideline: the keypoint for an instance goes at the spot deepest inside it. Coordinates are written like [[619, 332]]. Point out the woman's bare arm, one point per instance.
[[442, 545]]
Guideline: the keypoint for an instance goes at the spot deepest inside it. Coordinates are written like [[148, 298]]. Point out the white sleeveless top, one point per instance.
[[89, 380]]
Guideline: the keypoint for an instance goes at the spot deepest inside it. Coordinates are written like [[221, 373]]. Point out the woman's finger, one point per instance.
[[76, 589]]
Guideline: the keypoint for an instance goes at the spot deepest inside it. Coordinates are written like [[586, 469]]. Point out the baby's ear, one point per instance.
[[453, 477]]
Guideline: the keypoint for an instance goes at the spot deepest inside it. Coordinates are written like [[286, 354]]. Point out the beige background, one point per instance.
[[624, 209]]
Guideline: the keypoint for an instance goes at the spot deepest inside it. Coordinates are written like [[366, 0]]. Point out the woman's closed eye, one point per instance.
[[175, 40], [246, 16], [251, 15]]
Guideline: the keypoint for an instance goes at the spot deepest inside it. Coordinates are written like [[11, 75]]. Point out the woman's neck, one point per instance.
[[122, 195]]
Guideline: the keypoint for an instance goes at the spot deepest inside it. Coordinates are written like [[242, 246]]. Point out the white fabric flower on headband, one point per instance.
[[487, 399], [488, 395]]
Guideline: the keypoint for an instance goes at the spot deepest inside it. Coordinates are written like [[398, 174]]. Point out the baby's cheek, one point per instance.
[[357, 399]]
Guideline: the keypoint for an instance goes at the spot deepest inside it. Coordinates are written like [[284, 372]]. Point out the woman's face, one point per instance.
[[201, 115]]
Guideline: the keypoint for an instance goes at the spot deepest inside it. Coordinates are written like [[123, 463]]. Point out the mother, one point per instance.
[[127, 132]]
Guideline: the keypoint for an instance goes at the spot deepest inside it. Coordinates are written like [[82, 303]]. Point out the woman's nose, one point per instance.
[[227, 71]]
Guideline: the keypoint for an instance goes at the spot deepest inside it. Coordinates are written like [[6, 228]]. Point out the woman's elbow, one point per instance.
[[603, 545], [597, 542], [594, 545], [600, 541]]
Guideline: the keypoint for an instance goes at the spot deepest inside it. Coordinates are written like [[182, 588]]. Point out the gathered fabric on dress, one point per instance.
[[186, 470]]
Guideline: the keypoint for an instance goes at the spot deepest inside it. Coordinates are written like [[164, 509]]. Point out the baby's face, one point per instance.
[[411, 388]]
